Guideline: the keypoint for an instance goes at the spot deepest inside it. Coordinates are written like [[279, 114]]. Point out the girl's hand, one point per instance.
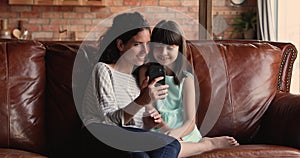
[[151, 118]]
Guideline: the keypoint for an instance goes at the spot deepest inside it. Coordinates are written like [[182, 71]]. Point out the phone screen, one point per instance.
[[156, 70]]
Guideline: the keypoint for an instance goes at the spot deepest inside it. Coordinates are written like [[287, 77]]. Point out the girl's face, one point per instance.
[[137, 48], [165, 54]]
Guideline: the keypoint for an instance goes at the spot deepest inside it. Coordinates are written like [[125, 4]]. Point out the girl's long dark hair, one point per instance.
[[124, 27], [170, 33]]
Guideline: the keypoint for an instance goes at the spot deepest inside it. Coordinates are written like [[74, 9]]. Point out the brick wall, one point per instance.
[[229, 12], [88, 22], [45, 21]]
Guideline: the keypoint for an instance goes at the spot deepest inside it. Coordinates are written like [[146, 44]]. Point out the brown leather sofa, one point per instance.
[[244, 89]]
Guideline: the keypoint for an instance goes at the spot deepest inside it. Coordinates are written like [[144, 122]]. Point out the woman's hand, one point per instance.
[[157, 92], [151, 118], [150, 93]]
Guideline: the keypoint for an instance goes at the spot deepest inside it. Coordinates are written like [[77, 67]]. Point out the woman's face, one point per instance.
[[165, 54], [137, 48]]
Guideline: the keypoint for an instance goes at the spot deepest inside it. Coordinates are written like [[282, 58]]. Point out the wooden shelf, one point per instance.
[[58, 2]]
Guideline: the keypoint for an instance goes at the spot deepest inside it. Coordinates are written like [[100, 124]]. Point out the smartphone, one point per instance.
[[156, 70]]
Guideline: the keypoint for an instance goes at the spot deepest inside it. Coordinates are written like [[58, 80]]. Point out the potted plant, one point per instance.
[[245, 24]]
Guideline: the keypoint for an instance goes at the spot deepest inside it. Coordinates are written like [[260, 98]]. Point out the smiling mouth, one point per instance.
[[163, 58], [141, 57]]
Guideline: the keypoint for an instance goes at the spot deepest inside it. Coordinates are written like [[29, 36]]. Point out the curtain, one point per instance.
[[267, 15]]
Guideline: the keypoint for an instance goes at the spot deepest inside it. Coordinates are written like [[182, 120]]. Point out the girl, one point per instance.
[[178, 108]]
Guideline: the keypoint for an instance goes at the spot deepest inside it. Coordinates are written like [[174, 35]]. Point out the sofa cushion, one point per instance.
[[237, 82], [22, 84], [63, 122], [14, 153], [248, 151]]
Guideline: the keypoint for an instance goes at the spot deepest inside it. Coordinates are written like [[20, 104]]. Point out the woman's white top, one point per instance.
[[107, 92]]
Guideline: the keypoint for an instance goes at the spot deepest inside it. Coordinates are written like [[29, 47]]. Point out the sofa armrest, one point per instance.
[[281, 122]]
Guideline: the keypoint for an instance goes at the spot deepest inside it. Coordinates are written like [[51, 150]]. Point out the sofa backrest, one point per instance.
[[63, 122], [237, 82], [22, 95], [63, 58]]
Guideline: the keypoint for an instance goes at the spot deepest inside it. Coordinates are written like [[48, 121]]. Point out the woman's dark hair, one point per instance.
[[124, 27], [170, 33]]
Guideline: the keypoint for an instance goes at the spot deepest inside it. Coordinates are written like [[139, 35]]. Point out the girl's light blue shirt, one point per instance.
[[172, 109]]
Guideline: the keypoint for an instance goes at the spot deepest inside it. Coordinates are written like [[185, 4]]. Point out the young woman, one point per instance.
[[113, 105], [178, 108]]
